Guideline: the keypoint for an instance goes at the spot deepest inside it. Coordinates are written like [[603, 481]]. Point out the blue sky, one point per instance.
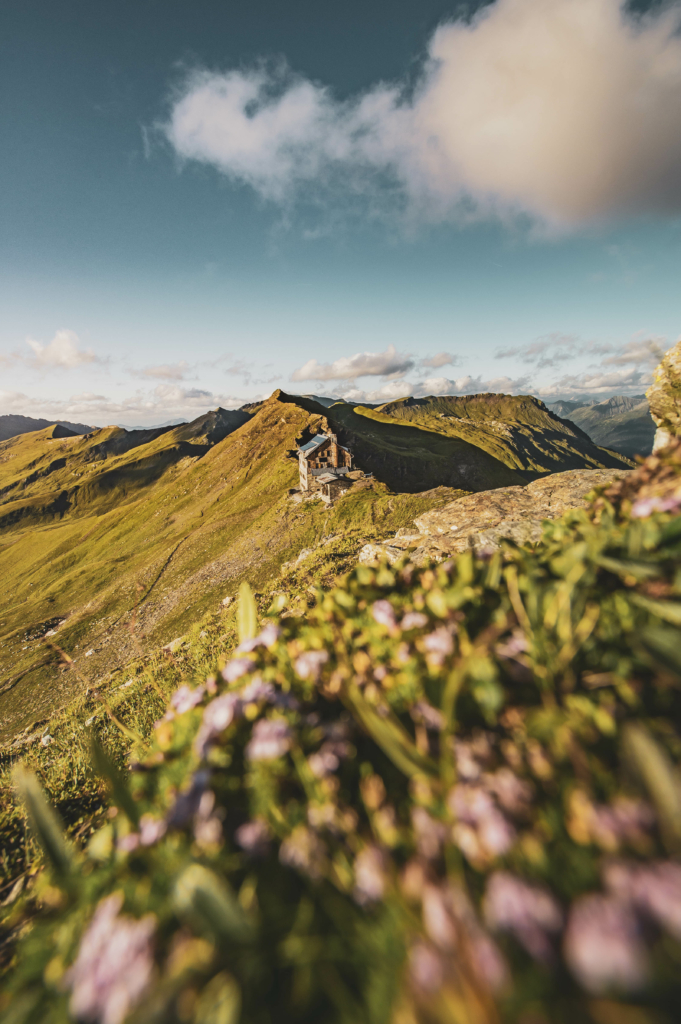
[[204, 201]]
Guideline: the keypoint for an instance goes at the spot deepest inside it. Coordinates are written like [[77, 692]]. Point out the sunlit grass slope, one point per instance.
[[519, 431], [148, 543]]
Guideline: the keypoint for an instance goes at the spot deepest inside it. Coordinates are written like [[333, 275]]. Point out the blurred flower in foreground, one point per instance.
[[653, 889], [529, 913], [114, 964], [253, 837], [603, 945], [271, 738], [369, 875]]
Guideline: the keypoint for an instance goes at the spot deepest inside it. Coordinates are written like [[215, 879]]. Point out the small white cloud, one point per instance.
[[648, 352], [364, 364], [545, 351], [441, 359], [166, 371], [62, 352]]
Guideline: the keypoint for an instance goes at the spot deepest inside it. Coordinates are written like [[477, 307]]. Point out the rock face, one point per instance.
[[481, 520], [664, 397]]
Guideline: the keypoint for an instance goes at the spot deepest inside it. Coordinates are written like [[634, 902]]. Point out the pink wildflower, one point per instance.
[[528, 912], [253, 837], [646, 506], [114, 965], [426, 968], [217, 716], [266, 638], [473, 807], [185, 698], [438, 645], [429, 832], [303, 850], [369, 875], [271, 738], [237, 668], [384, 614], [603, 946], [327, 759], [414, 620], [308, 665], [151, 829]]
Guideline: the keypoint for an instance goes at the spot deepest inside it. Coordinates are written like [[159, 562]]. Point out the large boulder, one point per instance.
[[664, 396], [481, 520]]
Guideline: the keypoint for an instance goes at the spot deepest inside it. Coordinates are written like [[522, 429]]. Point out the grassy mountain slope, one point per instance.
[[621, 423], [425, 796], [12, 425], [51, 472], [413, 457], [519, 431], [147, 543]]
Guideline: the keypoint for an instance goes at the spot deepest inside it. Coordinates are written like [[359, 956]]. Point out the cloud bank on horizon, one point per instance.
[[566, 111], [626, 369]]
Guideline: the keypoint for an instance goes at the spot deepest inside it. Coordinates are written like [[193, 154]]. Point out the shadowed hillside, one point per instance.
[[413, 457], [11, 426], [519, 431]]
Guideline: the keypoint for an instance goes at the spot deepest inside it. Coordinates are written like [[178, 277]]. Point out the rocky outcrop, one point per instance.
[[481, 520], [664, 397]]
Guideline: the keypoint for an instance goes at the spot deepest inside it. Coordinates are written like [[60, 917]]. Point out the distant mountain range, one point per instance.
[[12, 426], [622, 423]]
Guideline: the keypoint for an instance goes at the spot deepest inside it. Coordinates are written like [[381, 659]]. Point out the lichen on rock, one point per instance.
[[664, 396]]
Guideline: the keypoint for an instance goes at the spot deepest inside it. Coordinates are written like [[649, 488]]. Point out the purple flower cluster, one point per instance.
[[454, 931], [114, 965], [328, 758], [304, 851], [529, 913], [253, 837], [384, 614], [645, 507], [266, 638], [481, 831], [185, 698], [438, 645], [604, 945], [271, 738], [370, 875], [414, 620], [308, 665]]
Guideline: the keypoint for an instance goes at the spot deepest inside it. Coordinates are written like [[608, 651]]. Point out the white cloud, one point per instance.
[[164, 402], [441, 359], [566, 110], [363, 364], [616, 382], [393, 390], [62, 352], [166, 371], [545, 351], [648, 352]]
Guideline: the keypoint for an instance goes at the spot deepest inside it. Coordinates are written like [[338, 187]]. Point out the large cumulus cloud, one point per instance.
[[565, 110]]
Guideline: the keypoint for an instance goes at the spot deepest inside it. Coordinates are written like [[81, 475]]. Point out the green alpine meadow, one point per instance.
[[434, 792], [340, 512]]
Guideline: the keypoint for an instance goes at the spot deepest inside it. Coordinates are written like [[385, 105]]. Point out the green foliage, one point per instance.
[[419, 799]]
